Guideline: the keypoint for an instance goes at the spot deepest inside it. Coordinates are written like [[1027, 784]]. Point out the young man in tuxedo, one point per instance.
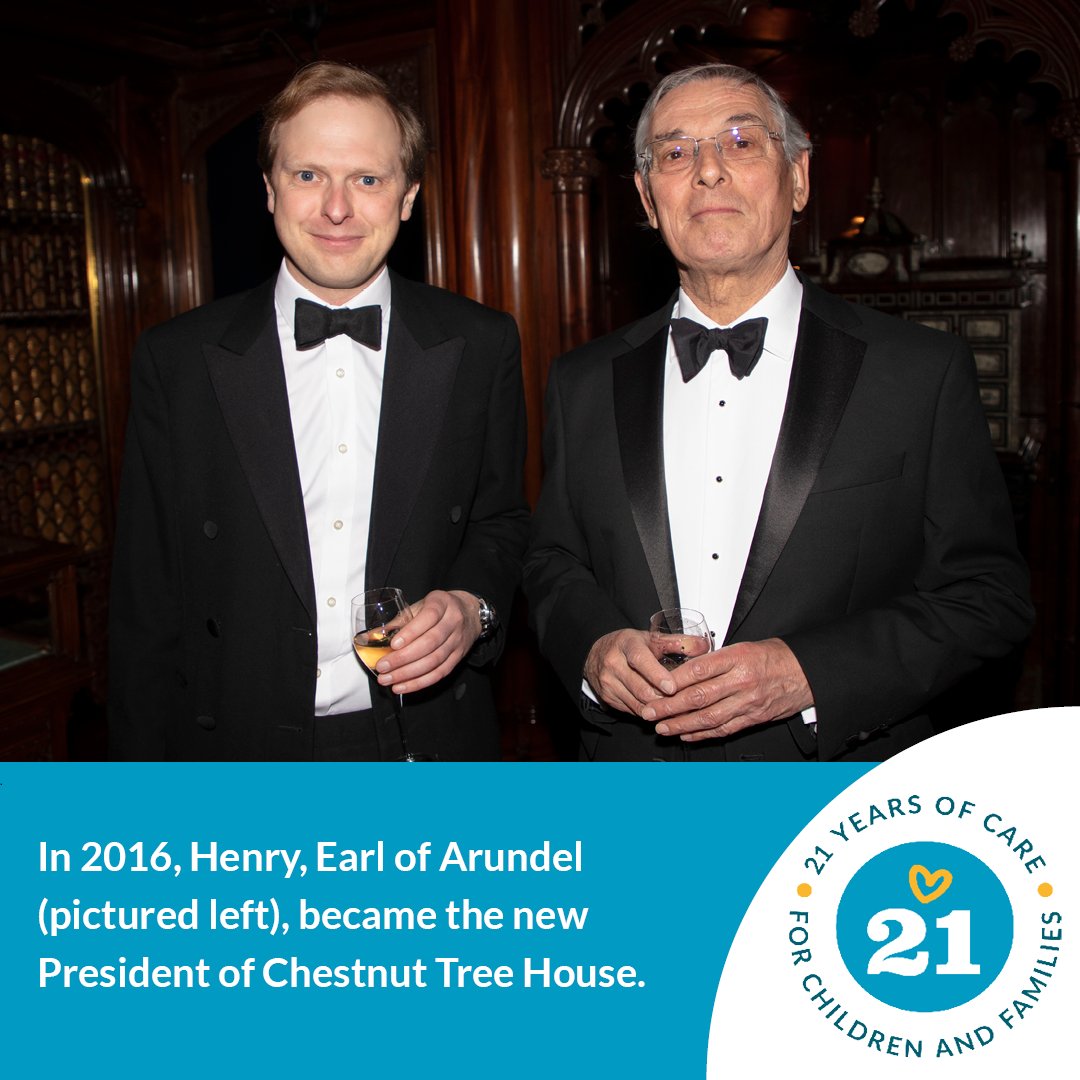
[[819, 481], [337, 429]]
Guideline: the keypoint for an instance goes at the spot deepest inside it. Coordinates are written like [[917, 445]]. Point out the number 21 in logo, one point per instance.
[[924, 939]]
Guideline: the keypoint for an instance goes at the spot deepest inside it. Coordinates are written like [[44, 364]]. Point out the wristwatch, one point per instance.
[[489, 619]]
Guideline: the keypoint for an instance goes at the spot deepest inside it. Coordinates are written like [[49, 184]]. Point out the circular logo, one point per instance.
[[924, 926]]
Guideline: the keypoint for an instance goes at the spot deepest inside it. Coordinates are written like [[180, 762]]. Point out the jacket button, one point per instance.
[[459, 691], [213, 627], [210, 529], [207, 723], [455, 514]]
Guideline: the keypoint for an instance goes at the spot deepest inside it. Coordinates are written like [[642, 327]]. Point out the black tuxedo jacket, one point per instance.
[[884, 554], [212, 613]]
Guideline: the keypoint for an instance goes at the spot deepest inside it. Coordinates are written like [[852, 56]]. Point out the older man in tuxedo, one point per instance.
[[337, 429], [813, 476]]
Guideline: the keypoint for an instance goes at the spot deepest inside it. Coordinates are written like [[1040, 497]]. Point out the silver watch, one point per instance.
[[489, 619]]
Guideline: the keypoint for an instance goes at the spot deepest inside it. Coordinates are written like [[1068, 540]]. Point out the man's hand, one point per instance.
[[730, 690], [623, 672], [444, 627]]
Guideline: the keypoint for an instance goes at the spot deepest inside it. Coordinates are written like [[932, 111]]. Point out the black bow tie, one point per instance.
[[313, 324], [694, 344]]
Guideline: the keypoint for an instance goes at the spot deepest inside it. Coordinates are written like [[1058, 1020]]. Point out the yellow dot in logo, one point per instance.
[[1045, 889], [804, 889]]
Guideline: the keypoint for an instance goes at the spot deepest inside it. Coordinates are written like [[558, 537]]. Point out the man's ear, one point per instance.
[[269, 193], [646, 198], [800, 181], [407, 202]]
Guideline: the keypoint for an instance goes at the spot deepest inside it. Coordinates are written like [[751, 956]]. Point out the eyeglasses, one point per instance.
[[742, 143]]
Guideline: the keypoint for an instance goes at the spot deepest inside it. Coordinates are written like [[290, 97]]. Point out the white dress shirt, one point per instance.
[[720, 435], [335, 391]]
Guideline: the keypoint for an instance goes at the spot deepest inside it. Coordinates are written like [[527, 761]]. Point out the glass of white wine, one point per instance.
[[377, 615], [677, 634]]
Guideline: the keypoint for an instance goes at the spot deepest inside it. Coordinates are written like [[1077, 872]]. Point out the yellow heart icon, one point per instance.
[[917, 872]]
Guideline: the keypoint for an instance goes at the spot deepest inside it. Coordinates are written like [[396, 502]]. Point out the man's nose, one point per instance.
[[337, 205], [710, 168]]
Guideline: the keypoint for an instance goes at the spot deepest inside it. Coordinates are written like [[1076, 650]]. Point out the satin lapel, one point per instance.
[[248, 377], [638, 382], [824, 370], [417, 384]]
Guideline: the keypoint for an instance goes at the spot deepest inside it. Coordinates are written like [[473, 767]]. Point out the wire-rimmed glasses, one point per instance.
[[744, 142]]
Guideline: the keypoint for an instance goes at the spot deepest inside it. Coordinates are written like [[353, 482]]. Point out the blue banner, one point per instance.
[[539, 920], [385, 920]]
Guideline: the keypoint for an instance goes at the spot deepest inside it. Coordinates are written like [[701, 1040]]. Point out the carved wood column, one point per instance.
[[119, 208], [1067, 127], [495, 118], [571, 172]]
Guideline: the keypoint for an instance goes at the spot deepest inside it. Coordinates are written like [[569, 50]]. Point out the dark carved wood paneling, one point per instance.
[[971, 145]]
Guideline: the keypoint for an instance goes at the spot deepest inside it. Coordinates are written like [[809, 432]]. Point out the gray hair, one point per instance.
[[792, 137]]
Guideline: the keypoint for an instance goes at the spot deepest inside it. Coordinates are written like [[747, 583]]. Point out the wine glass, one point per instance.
[[377, 615], [677, 634]]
